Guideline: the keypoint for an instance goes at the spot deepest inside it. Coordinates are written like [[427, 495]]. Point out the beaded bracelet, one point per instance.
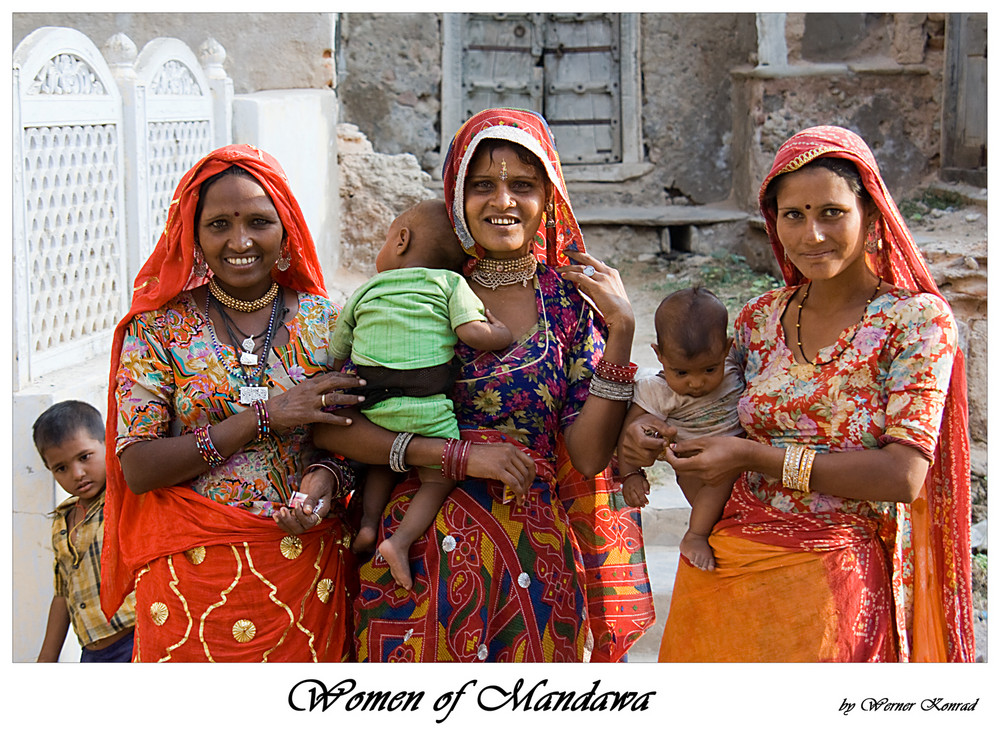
[[616, 372], [263, 422], [397, 454], [203, 442], [608, 390]]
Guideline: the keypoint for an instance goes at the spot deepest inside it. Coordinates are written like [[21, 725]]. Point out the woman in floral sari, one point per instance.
[[217, 373], [493, 579], [846, 537]]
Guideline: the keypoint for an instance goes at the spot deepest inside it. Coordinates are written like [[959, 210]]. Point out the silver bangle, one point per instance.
[[397, 454], [608, 390]]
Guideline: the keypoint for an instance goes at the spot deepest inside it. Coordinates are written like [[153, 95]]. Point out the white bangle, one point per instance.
[[608, 390], [397, 454]]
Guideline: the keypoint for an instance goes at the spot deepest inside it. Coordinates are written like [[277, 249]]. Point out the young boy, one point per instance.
[[400, 329], [69, 437], [696, 392]]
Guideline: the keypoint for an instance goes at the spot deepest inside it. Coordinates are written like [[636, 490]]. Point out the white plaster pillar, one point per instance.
[[772, 49]]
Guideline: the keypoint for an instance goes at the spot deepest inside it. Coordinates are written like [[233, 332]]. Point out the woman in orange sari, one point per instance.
[[846, 537], [235, 551]]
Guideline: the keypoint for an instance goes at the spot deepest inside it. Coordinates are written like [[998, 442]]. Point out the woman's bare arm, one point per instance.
[[893, 473], [164, 462]]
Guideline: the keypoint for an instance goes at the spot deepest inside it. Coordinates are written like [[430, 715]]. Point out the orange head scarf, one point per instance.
[[529, 130], [945, 502], [169, 271]]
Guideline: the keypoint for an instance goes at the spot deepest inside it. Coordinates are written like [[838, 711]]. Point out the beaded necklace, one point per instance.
[[798, 325], [495, 273], [253, 389]]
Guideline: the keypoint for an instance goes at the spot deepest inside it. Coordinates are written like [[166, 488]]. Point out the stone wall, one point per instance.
[[374, 189], [389, 80]]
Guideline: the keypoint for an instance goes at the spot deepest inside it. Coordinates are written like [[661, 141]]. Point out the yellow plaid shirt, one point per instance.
[[77, 574]]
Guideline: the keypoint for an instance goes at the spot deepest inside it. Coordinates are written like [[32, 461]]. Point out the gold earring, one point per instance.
[[285, 260]]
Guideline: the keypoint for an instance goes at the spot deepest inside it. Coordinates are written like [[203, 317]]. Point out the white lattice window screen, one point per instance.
[[70, 185], [174, 147]]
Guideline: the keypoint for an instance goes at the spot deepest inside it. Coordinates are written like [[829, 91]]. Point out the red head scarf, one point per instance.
[[167, 273], [941, 516], [532, 132]]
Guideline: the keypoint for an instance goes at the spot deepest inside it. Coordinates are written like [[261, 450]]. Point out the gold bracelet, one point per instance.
[[805, 469], [790, 465]]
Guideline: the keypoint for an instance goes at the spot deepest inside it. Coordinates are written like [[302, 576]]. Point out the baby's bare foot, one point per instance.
[[364, 541], [399, 563], [695, 548]]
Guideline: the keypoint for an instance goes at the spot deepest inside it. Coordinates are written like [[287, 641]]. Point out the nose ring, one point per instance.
[[248, 243]]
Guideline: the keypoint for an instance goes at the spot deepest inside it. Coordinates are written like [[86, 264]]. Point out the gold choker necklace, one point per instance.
[[495, 273], [243, 306]]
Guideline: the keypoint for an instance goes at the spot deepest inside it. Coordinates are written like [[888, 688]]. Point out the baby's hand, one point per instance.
[[635, 490], [485, 335]]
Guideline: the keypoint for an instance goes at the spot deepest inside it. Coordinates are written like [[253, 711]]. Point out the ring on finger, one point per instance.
[[322, 400], [588, 271]]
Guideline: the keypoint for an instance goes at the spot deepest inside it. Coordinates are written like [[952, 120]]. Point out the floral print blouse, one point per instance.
[[885, 380], [174, 377], [535, 388]]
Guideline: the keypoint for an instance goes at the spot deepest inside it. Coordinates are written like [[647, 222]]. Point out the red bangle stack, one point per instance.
[[616, 372], [455, 458]]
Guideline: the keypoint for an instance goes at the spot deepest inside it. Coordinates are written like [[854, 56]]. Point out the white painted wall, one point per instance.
[[299, 129]]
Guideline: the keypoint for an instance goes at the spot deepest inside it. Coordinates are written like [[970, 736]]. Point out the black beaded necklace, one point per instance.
[[253, 388], [798, 325]]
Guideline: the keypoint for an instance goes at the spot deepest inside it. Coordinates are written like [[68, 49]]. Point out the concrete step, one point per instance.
[[661, 563], [664, 521]]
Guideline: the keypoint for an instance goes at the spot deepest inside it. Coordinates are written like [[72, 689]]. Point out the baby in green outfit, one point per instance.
[[399, 329]]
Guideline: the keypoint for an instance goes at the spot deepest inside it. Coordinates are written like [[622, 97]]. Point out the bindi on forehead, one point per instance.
[[237, 213], [808, 207]]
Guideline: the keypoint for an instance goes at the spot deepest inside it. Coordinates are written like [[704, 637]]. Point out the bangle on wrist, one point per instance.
[[455, 458], [616, 372], [397, 454], [611, 390], [263, 422], [203, 442], [796, 467], [342, 473], [638, 472]]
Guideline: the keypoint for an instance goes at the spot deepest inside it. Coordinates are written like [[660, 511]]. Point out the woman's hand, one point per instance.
[[304, 403], [712, 460], [503, 462], [317, 491], [602, 285], [644, 441]]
